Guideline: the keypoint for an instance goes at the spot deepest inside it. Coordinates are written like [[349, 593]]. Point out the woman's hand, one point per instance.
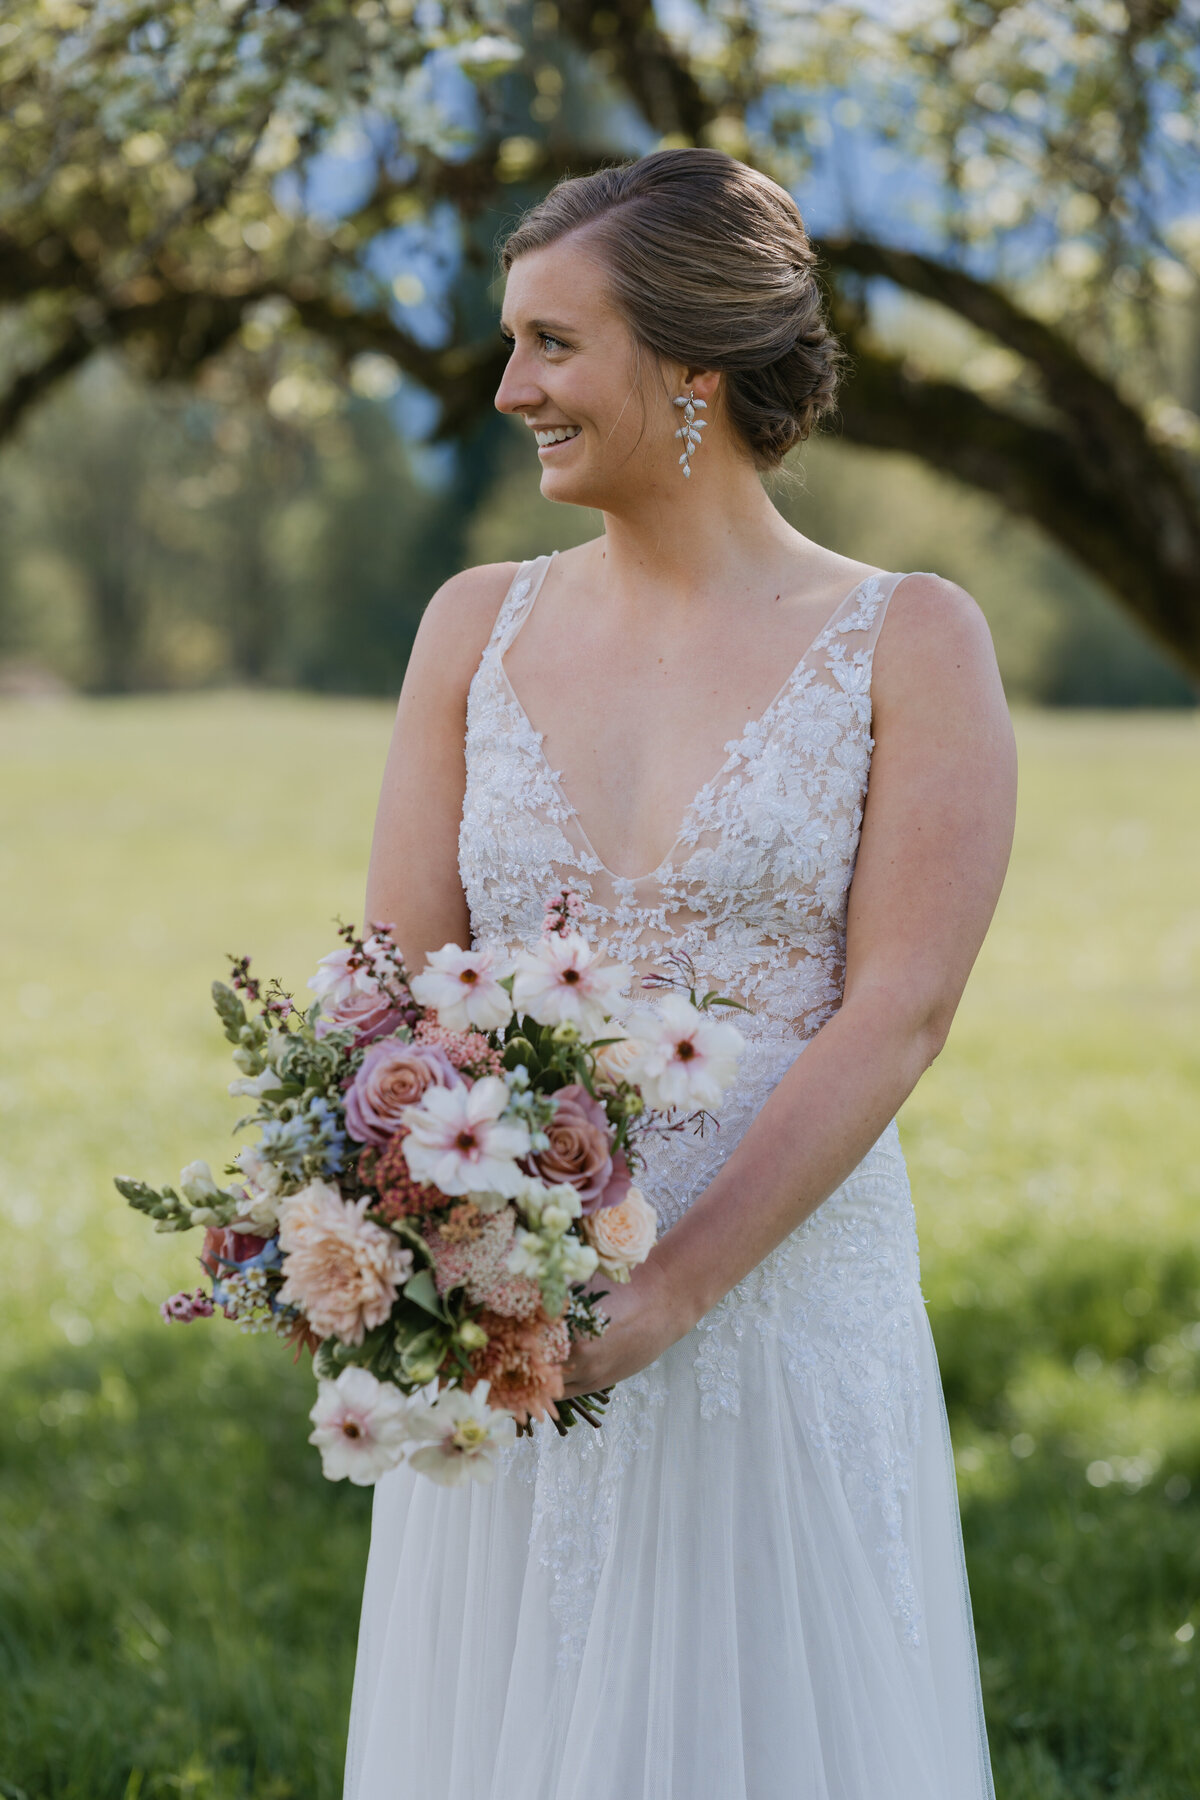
[[644, 1322]]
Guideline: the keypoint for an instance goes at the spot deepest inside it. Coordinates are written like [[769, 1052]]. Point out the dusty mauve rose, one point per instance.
[[393, 1075], [578, 1150], [368, 1015], [623, 1235]]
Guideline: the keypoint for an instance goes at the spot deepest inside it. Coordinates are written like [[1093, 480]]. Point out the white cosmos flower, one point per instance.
[[458, 1140], [362, 1426], [463, 988], [565, 982], [685, 1057], [463, 1434]]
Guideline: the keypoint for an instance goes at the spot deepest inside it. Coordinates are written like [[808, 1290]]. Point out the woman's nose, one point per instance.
[[516, 388]]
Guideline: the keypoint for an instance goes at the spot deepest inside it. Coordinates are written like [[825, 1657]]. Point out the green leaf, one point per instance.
[[520, 1050], [425, 1352], [422, 1290]]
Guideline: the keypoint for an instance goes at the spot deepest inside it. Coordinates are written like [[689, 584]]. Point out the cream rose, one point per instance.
[[622, 1236], [615, 1062]]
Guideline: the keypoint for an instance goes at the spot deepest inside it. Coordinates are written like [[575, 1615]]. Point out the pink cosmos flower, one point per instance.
[[361, 1427], [340, 1268], [393, 1075], [565, 982], [463, 988], [352, 999], [458, 1140], [685, 1057]]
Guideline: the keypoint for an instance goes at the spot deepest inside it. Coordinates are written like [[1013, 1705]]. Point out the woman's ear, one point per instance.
[[703, 383]]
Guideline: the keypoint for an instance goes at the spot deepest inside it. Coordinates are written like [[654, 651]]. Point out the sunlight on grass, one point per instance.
[[178, 1586]]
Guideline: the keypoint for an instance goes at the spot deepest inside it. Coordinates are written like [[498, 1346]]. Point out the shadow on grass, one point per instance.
[[179, 1586]]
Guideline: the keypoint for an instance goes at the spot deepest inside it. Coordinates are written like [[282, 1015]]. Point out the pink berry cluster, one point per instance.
[[183, 1307], [563, 913]]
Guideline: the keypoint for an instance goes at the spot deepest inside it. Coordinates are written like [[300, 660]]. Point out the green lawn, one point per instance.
[[178, 1586]]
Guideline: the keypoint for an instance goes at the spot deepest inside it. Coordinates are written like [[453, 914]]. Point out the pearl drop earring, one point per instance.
[[691, 428]]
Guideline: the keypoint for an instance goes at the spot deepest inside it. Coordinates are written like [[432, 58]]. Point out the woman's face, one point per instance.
[[604, 437]]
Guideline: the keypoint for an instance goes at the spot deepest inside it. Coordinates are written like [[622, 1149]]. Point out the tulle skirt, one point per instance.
[[748, 1585]]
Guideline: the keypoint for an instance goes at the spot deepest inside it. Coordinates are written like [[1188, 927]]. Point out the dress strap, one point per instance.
[[518, 602], [880, 598]]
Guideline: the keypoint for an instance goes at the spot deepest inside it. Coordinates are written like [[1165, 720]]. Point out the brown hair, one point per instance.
[[712, 267]]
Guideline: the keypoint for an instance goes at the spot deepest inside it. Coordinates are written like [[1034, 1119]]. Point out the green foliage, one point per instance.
[[179, 1586]]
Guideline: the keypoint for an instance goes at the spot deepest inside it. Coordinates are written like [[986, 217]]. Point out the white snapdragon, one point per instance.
[[196, 1184], [253, 1087]]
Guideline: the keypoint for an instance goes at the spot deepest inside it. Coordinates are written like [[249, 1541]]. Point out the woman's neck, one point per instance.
[[720, 537]]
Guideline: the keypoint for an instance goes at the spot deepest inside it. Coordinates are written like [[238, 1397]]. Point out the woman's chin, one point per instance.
[[571, 486]]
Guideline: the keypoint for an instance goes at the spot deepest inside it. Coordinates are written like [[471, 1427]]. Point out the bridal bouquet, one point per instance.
[[444, 1162]]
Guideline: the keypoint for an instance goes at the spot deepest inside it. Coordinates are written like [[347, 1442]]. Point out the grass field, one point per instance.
[[178, 1586]]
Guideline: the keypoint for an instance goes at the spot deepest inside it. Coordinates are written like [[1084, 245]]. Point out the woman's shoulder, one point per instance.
[[458, 622], [933, 632], [470, 601]]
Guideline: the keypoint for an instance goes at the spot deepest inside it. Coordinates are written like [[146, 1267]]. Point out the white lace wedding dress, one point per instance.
[[749, 1584]]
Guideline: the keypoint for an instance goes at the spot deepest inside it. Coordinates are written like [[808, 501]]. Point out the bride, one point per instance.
[[749, 1583]]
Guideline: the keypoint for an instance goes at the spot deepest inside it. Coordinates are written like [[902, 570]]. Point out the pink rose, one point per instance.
[[579, 1151], [393, 1075]]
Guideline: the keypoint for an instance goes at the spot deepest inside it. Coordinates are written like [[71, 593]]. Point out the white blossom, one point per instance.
[[463, 988], [461, 1435], [685, 1057], [361, 1425], [458, 1140], [563, 981]]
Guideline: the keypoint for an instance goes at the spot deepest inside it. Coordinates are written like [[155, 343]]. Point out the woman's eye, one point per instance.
[[551, 342]]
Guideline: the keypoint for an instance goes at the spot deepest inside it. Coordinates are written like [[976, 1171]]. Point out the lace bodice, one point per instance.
[[754, 888]]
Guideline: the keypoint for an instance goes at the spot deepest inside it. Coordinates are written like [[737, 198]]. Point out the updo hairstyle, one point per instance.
[[711, 267]]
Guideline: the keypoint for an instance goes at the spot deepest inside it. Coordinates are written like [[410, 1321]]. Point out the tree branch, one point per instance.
[[1115, 453], [1041, 473]]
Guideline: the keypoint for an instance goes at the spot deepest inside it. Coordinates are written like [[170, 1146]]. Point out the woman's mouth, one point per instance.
[[553, 436]]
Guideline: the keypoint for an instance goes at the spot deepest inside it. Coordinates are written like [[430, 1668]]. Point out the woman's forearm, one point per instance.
[[815, 1128]]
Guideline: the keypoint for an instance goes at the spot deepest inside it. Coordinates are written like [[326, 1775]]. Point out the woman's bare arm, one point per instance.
[[413, 882], [935, 845]]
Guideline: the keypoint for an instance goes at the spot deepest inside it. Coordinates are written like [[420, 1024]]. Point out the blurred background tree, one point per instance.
[[247, 311]]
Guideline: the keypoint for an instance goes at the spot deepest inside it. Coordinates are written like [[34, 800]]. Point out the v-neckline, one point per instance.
[[754, 725]]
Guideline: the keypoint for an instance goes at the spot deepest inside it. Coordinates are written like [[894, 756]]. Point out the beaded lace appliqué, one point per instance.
[[755, 891]]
